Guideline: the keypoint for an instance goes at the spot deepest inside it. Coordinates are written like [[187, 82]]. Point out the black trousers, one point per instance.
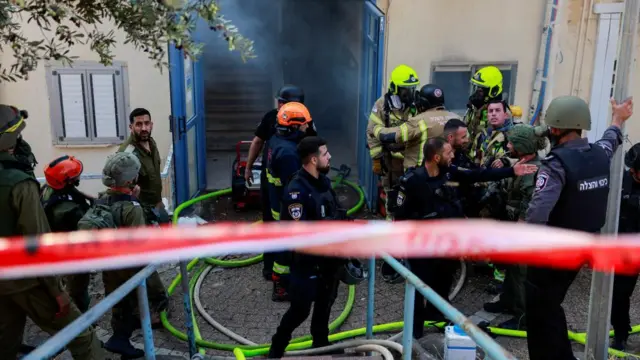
[[437, 274], [545, 290], [623, 286], [267, 261], [304, 291]]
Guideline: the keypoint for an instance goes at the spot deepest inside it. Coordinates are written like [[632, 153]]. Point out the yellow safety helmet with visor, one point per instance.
[[404, 82], [489, 78]]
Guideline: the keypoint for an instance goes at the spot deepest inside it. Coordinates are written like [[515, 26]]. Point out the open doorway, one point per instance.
[[315, 44]]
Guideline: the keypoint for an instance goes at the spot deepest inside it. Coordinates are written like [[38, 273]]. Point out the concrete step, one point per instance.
[[245, 121], [226, 140]]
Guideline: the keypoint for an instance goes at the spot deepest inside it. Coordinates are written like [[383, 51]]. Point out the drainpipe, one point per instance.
[[546, 61]]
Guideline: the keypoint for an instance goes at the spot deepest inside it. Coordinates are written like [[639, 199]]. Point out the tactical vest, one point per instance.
[[583, 201], [322, 205], [279, 146], [10, 175], [438, 196], [58, 221]]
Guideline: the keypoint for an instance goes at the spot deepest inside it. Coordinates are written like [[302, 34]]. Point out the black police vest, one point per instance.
[[629, 205], [324, 202], [439, 198], [583, 201]]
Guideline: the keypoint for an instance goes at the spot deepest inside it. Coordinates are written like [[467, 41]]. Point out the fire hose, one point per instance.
[[246, 348]]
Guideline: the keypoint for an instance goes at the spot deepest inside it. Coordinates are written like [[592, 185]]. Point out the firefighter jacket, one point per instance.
[[414, 133], [282, 163], [383, 115]]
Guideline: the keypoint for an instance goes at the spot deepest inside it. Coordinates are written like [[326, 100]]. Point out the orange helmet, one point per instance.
[[63, 171], [293, 113]]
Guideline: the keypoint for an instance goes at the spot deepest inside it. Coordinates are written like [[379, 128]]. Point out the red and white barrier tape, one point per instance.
[[82, 251]]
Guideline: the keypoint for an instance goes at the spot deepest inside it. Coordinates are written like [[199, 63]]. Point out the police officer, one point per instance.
[[42, 299], [64, 206], [623, 285], [573, 179], [392, 109], [144, 147], [264, 132], [283, 162], [119, 175], [512, 203], [429, 192], [428, 123], [314, 279]]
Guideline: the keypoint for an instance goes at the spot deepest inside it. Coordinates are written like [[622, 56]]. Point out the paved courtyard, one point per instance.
[[239, 299]]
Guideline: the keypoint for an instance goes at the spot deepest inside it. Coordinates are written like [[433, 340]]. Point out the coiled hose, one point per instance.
[[246, 348]]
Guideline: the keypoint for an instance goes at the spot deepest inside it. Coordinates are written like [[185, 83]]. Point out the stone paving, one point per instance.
[[239, 299]]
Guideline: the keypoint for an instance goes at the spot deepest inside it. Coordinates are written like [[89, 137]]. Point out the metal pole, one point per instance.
[[491, 348], [145, 321], [407, 332], [186, 296], [64, 336], [602, 283], [370, 298]]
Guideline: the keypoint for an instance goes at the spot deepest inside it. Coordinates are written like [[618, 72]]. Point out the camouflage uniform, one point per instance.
[[515, 196], [36, 298]]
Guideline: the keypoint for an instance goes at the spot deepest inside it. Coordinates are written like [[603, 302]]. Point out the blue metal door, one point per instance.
[[187, 125], [370, 90]]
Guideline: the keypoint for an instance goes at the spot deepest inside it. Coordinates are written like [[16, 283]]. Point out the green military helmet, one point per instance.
[[568, 112], [526, 139], [11, 125], [120, 169]]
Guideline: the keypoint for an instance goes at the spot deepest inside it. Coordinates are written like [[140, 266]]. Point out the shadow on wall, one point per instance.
[[315, 44]]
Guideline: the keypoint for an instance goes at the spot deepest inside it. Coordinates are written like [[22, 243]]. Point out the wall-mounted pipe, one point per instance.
[[541, 85]]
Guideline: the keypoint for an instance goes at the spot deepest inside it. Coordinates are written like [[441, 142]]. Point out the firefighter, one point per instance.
[[141, 144], [264, 132], [561, 199], [429, 192], [314, 279], [283, 161], [41, 299], [64, 206], [392, 109], [487, 83], [428, 123]]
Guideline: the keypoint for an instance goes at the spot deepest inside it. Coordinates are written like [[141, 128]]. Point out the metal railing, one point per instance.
[[167, 175], [413, 283]]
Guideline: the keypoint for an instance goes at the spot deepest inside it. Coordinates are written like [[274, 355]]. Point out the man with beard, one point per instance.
[[314, 279], [429, 192], [143, 146]]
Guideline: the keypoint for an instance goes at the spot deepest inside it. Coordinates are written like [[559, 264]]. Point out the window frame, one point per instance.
[[473, 66], [88, 68]]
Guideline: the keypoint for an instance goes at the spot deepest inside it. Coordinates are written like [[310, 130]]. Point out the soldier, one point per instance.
[[143, 146], [573, 179], [41, 299], [524, 145], [64, 206], [392, 109], [119, 206], [428, 123]]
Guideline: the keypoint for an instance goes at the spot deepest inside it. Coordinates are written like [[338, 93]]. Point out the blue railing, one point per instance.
[[56, 343]]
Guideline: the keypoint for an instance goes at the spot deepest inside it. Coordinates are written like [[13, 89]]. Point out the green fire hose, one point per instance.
[[304, 342]]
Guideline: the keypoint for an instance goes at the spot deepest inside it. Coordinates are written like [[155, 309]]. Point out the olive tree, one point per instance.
[[149, 25]]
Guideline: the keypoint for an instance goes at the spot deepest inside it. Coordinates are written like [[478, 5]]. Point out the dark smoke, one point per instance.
[[315, 44]]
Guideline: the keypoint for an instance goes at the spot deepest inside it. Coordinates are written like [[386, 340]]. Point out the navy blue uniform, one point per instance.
[[425, 197], [314, 279]]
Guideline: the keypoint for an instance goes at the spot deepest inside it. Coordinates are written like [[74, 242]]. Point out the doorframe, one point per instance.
[[365, 172], [609, 22], [176, 85]]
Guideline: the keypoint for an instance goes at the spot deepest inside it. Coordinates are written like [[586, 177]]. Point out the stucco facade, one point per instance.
[[145, 87]]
